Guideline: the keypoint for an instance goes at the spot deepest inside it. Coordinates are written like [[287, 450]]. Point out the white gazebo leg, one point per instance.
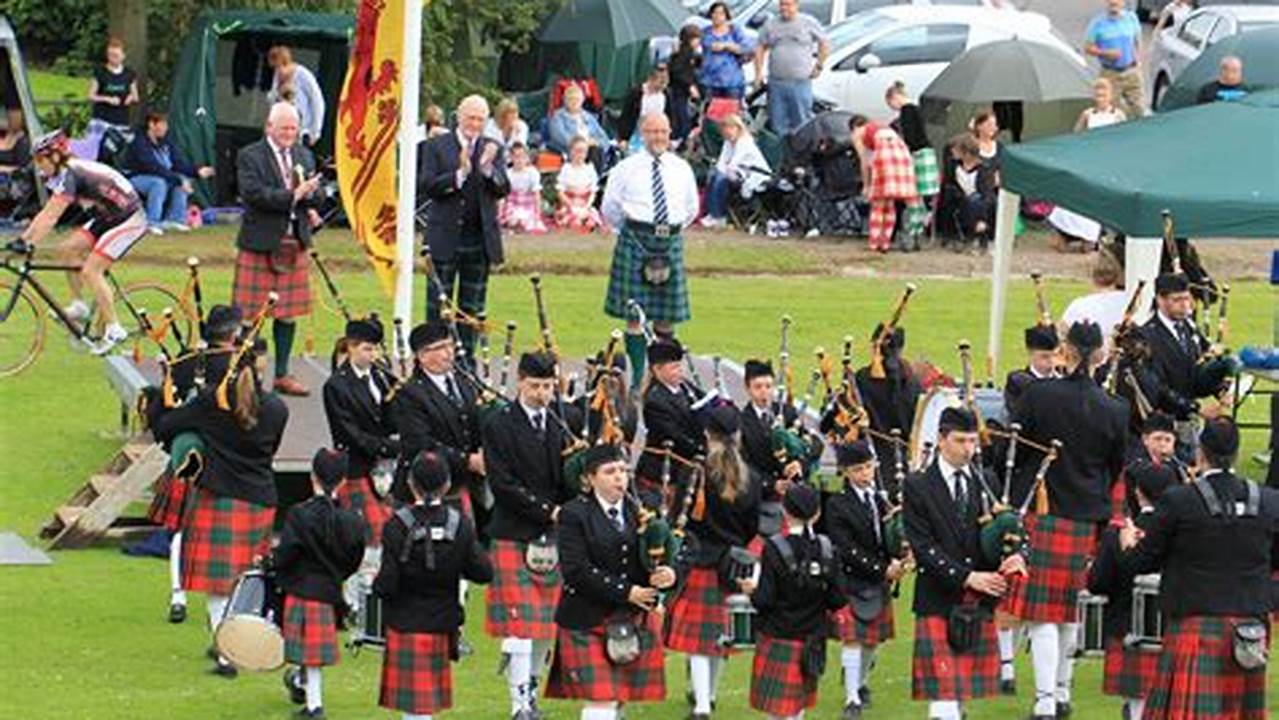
[[1141, 262], [1005, 228]]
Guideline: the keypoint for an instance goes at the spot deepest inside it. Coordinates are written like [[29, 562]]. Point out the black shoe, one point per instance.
[[1042, 717], [225, 670], [1064, 709], [852, 711], [699, 716], [211, 653], [1007, 687], [522, 715], [864, 695], [316, 713], [177, 613], [293, 683]]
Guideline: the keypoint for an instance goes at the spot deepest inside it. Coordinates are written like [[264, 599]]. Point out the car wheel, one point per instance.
[[1161, 89]]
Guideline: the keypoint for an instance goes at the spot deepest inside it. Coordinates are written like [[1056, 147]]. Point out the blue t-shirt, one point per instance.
[[1116, 33]]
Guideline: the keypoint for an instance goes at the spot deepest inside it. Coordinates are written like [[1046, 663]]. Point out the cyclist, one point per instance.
[[117, 221]]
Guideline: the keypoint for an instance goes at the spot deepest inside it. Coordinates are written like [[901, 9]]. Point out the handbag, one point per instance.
[[1250, 649], [963, 627], [657, 268], [867, 603], [622, 642], [541, 556]]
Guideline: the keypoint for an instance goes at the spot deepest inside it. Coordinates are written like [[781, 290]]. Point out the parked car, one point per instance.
[[1178, 46], [1148, 10], [752, 14]]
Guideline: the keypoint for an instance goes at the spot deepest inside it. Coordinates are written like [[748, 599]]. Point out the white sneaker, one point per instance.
[[114, 335], [178, 226], [77, 311], [155, 229]]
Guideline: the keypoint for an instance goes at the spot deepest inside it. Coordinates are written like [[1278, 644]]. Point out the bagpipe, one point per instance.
[[394, 370], [1003, 524], [604, 399], [663, 537], [844, 414], [792, 442], [885, 335]]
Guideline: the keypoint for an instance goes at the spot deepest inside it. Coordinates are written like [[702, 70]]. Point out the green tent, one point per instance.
[[1216, 167], [218, 102]]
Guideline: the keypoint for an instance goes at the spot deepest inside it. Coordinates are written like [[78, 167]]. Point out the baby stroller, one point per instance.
[[820, 160]]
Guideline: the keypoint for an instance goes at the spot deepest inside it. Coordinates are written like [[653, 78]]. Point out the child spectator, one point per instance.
[[576, 186], [521, 210]]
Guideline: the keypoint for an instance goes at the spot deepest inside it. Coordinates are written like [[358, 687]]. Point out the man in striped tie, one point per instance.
[[650, 198]]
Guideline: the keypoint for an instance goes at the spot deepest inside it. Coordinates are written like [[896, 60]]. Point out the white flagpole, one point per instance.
[[410, 87]]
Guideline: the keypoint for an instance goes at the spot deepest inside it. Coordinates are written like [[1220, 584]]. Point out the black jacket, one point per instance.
[[631, 105], [757, 446], [725, 524], [1210, 565], [237, 462], [1015, 385], [793, 605], [437, 166], [599, 564], [945, 543], [184, 386], [909, 124], [1177, 373], [420, 600], [861, 552], [525, 473], [669, 416], [1093, 429], [427, 419], [684, 67], [321, 545], [890, 402], [1107, 577], [268, 201], [358, 424], [143, 158]]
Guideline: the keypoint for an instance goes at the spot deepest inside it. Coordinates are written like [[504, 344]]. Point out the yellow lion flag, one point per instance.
[[368, 122]]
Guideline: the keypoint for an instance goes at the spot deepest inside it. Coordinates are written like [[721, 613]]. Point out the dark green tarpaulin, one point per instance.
[[1216, 167]]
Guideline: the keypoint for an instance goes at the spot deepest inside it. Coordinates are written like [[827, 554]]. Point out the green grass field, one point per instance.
[[86, 637], [47, 86]]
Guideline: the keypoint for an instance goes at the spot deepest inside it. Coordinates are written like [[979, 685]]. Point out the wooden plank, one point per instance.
[[102, 482], [106, 509], [69, 514]]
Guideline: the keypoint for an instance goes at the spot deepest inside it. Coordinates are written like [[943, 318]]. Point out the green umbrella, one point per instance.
[[1259, 51], [1011, 70], [615, 23]]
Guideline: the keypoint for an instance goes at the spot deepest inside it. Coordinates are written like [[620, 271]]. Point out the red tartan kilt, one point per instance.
[[1197, 676], [778, 685], [520, 603], [220, 537], [938, 673], [846, 628], [1129, 672], [257, 275], [357, 494], [1059, 552], [581, 669], [698, 618], [417, 676], [167, 505], [310, 632]]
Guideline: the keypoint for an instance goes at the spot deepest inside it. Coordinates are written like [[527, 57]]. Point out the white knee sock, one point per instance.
[[314, 695], [1067, 639], [717, 671], [600, 712], [699, 674], [869, 656], [1045, 652], [462, 587], [519, 652], [851, 660], [1006, 653], [412, 716], [1135, 707], [541, 658], [217, 608], [177, 596], [943, 710]]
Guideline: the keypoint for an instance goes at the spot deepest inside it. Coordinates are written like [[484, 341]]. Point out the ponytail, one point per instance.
[[245, 409], [725, 468]]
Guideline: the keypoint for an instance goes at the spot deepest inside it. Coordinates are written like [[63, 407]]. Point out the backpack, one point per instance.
[[425, 533]]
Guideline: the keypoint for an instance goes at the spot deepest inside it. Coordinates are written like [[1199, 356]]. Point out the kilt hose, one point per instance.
[[1059, 553], [417, 676], [778, 685], [697, 620], [520, 603], [1129, 672], [667, 302], [580, 669], [356, 494], [220, 537], [287, 273], [847, 628], [939, 673], [467, 272], [1198, 679], [310, 632], [168, 502]]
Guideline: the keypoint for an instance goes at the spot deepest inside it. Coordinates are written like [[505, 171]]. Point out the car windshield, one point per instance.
[[857, 26], [1256, 25], [735, 7]]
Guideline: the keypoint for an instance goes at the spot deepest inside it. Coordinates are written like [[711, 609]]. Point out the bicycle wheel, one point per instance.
[[21, 331], [154, 298]]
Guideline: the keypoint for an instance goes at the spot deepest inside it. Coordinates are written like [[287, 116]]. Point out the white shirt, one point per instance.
[[737, 161], [1106, 308], [618, 506], [966, 179], [519, 133], [442, 382], [536, 416], [652, 103], [307, 98], [528, 180], [367, 376], [577, 178], [628, 195], [950, 474]]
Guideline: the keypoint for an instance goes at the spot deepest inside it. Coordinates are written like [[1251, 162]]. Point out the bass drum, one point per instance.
[[249, 635], [923, 434]]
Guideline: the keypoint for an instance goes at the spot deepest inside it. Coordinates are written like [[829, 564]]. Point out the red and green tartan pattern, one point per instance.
[[581, 670], [1198, 679], [939, 673], [310, 632], [166, 505], [221, 535], [778, 685], [520, 603], [698, 618], [846, 628], [1129, 672], [1059, 553], [417, 677], [257, 276], [356, 494]]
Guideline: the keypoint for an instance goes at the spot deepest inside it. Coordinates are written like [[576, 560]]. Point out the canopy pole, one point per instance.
[[1001, 265], [410, 88], [1141, 262]]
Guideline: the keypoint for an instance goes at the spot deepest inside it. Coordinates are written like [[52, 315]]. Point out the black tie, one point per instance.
[[616, 517], [451, 389], [1187, 338], [869, 501], [961, 493], [767, 418], [539, 423]]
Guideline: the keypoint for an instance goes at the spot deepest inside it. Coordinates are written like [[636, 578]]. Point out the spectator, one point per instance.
[[1229, 85], [724, 47], [1103, 111], [521, 209], [576, 187], [796, 48], [1106, 303], [114, 88], [888, 177], [686, 63], [161, 175], [572, 121], [741, 167], [1070, 225], [985, 127], [433, 119], [973, 192], [909, 124], [1114, 38], [306, 95], [506, 126], [15, 144], [651, 96]]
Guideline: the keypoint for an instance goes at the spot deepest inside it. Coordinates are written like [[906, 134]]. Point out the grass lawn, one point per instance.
[[47, 86], [86, 637]]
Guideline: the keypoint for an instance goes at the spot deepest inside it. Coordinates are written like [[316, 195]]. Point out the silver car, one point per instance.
[[1178, 46]]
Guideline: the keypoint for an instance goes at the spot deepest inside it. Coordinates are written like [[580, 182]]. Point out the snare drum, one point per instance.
[[249, 635], [1090, 638], [928, 409], [370, 625], [741, 622], [1147, 619]]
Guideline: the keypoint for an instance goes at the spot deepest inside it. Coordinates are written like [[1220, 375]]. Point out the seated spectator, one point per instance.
[[161, 175], [296, 83], [651, 96], [572, 121], [741, 167], [576, 187], [973, 190], [506, 126], [1103, 111], [985, 130], [433, 119], [685, 63], [1229, 85], [17, 181], [521, 209], [113, 89]]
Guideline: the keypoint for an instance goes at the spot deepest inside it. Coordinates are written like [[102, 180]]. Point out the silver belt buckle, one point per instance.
[[662, 231]]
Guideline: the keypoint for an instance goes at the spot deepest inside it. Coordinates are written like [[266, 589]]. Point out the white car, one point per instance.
[[1179, 45], [871, 50], [750, 15]]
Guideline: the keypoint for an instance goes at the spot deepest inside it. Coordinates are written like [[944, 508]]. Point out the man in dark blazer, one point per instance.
[[277, 179], [463, 175], [668, 410]]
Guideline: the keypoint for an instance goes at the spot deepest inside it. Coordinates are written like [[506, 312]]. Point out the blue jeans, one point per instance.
[[718, 191], [790, 104], [164, 203]]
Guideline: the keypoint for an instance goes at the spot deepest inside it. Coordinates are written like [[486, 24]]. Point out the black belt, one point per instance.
[[1119, 70], [662, 231]]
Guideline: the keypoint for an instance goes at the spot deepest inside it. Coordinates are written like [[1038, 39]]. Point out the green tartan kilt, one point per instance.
[[667, 302], [927, 174]]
